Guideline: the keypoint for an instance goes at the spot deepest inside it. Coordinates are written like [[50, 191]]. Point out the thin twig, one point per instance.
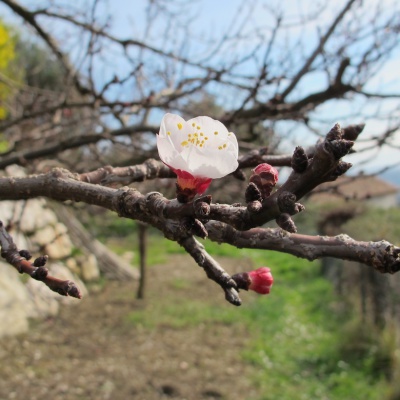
[[36, 270]]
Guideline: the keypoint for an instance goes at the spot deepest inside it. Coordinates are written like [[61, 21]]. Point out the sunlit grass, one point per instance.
[[181, 314], [296, 340]]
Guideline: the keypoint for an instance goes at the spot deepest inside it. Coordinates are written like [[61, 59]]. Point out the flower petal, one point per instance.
[[201, 146], [168, 138], [209, 125], [212, 163]]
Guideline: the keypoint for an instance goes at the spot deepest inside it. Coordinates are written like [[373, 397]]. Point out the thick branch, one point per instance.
[[382, 255], [108, 175], [59, 184], [70, 143], [294, 110], [152, 169]]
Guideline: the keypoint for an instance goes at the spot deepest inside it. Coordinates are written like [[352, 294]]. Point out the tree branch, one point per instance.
[[71, 143], [212, 268], [36, 270], [303, 70], [29, 17], [382, 255]]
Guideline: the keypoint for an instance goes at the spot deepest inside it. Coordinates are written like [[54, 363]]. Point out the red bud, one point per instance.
[[264, 176], [261, 280]]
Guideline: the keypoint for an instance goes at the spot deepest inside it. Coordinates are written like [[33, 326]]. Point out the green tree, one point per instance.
[[7, 55]]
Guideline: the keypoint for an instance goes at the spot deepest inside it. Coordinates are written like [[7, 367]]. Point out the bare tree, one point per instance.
[[266, 71]]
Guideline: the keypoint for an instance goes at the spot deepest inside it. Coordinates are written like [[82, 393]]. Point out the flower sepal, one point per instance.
[[188, 186]]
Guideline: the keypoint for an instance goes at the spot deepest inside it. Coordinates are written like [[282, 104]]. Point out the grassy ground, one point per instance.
[[186, 342], [304, 344]]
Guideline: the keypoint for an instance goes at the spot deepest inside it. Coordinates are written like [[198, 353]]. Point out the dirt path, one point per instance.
[[92, 351]]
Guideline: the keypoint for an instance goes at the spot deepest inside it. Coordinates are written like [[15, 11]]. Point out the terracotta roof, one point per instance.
[[359, 187]]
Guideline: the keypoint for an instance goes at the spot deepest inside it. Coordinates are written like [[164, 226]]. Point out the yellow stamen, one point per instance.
[[198, 127], [215, 133], [184, 143], [180, 126], [169, 133]]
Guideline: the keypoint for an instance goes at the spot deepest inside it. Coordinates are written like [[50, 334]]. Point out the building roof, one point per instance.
[[360, 187]]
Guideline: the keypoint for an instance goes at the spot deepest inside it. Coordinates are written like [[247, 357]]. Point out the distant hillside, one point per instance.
[[392, 176]]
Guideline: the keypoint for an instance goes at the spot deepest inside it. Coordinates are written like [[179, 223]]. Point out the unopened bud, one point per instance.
[[339, 148], [40, 261], [299, 161], [252, 193], [286, 223], [259, 280], [335, 133], [26, 254], [351, 132], [341, 168], [40, 274], [264, 176]]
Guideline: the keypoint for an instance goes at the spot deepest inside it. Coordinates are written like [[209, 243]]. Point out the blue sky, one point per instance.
[[210, 20]]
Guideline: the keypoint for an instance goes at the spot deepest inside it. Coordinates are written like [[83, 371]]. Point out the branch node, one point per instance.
[[336, 143], [254, 206], [252, 193], [40, 261], [202, 206], [285, 222], [194, 227], [40, 274], [25, 254]]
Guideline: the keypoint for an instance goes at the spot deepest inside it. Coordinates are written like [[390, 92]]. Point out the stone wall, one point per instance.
[[44, 227], [35, 227]]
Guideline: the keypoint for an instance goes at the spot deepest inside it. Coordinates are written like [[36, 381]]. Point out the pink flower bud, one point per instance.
[[264, 176], [261, 280]]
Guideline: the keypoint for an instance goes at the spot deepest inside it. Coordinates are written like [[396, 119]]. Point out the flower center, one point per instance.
[[198, 138]]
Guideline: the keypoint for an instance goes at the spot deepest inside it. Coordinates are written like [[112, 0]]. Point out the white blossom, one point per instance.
[[202, 146]]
